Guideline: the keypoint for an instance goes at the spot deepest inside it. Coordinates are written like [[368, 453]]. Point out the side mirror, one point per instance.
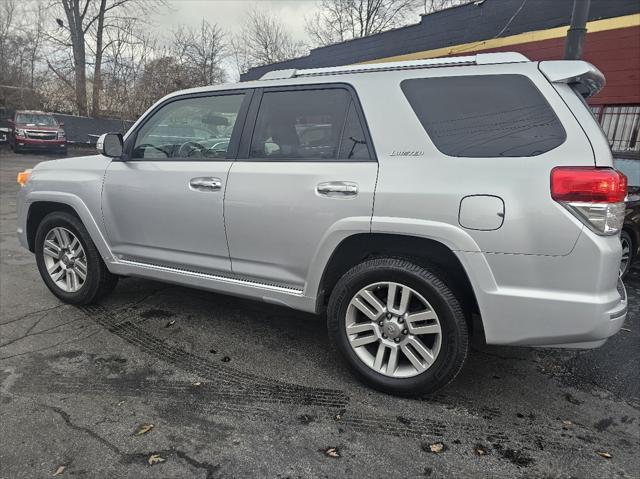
[[110, 144]]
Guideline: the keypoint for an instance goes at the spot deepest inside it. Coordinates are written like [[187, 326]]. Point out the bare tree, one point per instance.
[[86, 21], [431, 6], [7, 19], [262, 40], [340, 20], [127, 50], [201, 52], [21, 38]]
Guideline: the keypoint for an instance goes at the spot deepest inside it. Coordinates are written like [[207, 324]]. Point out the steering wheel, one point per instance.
[[215, 152], [192, 147], [149, 145]]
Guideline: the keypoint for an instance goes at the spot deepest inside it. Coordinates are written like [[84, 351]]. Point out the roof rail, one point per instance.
[[479, 59]]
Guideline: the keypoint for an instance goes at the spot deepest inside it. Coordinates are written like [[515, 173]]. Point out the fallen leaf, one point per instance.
[[155, 459], [197, 384], [332, 452], [226, 359], [143, 429], [604, 454], [566, 424], [170, 323], [480, 450], [120, 403], [60, 470], [436, 448]]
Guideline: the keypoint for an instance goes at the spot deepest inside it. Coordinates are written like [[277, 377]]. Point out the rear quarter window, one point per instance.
[[485, 116]]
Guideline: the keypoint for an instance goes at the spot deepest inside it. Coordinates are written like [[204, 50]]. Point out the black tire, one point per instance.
[[99, 281], [626, 237], [455, 340]]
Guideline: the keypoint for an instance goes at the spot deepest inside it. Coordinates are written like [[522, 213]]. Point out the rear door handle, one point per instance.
[[338, 188], [205, 183]]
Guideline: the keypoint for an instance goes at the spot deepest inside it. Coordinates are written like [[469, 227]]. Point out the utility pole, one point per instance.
[[577, 31]]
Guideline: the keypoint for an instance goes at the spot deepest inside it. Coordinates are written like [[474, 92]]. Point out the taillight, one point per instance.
[[594, 195]]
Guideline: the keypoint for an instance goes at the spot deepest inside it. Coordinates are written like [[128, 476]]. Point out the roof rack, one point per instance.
[[479, 59]]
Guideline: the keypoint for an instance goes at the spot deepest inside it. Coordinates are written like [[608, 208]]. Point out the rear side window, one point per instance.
[[308, 125], [485, 116], [354, 144]]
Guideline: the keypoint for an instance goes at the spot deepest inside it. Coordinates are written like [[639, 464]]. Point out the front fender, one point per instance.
[[81, 210]]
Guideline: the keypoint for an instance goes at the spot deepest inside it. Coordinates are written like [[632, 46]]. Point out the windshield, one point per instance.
[[35, 119]]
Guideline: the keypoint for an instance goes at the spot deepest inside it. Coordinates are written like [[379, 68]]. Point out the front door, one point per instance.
[[164, 205], [305, 170]]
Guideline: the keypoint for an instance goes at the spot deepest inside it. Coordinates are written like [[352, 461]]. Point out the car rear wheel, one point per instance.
[[398, 325], [69, 262], [627, 253]]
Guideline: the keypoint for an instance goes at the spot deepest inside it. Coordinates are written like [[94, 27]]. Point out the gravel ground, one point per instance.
[[237, 389]]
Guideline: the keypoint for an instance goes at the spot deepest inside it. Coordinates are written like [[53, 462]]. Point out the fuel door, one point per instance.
[[481, 212]]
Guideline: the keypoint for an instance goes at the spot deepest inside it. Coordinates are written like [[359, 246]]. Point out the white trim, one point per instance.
[[214, 277]]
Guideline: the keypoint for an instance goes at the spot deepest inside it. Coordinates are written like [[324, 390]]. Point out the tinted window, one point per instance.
[[485, 116], [354, 144], [192, 128], [300, 124]]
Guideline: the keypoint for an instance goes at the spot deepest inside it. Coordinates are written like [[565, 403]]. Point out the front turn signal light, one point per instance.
[[23, 177]]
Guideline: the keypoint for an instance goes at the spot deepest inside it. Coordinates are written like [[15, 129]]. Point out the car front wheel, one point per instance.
[[399, 326], [69, 262]]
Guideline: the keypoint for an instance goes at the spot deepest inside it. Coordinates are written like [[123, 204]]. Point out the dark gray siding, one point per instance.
[[80, 129]]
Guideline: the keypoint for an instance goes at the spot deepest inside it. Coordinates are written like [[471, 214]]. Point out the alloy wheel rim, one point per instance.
[[393, 329], [626, 253], [65, 259]]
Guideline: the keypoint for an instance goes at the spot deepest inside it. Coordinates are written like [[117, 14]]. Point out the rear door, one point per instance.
[[164, 205], [306, 165]]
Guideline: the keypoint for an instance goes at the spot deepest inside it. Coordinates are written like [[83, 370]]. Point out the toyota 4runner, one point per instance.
[[416, 203]]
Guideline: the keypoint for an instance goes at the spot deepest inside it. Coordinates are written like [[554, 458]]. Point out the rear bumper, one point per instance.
[[604, 327], [572, 301]]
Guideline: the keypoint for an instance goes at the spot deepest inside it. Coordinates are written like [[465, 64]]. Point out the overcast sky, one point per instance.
[[229, 14]]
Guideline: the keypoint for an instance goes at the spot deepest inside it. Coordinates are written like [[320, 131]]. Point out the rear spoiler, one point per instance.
[[581, 75]]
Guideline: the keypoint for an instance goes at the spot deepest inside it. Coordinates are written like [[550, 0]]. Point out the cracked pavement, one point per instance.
[[236, 388]]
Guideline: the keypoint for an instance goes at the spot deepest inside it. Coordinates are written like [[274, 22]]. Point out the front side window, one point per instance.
[[191, 128], [485, 116], [301, 124]]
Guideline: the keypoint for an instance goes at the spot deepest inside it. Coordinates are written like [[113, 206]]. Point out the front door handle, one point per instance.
[[338, 188], [205, 183]]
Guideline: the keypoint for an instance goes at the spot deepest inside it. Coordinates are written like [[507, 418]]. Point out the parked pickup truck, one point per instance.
[[36, 130]]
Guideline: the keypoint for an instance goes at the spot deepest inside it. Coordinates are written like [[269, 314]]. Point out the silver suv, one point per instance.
[[416, 203]]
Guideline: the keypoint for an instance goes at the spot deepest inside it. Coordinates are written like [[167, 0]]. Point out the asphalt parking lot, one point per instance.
[[235, 388]]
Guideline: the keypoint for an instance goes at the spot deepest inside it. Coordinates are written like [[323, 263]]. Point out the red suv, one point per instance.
[[36, 130]]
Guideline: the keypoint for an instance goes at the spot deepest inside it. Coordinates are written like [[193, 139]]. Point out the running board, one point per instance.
[[214, 277]]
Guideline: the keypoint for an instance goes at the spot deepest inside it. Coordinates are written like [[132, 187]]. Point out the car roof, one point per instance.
[[33, 112], [333, 74]]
